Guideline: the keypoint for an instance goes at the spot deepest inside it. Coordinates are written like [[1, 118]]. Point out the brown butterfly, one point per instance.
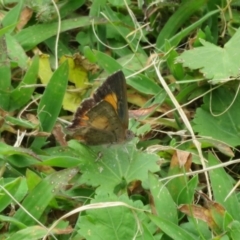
[[103, 118]]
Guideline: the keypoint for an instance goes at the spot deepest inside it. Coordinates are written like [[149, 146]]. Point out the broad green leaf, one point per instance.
[[33, 35], [197, 227], [163, 202], [12, 188], [109, 167], [39, 198], [144, 84], [17, 156], [51, 102], [222, 184], [171, 229], [4, 218], [134, 61], [33, 233], [186, 196], [216, 63], [117, 222], [234, 230], [140, 82], [60, 161], [16, 52], [7, 29], [22, 94], [32, 179], [224, 127], [107, 63], [63, 156], [12, 17]]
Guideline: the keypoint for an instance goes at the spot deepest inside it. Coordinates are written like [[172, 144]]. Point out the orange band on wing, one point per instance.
[[112, 99], [83, 120]]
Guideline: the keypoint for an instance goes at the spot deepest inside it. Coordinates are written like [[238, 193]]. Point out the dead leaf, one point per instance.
[[25, 16], [59, 135], [142, 112], [181, 159], [213, 214]]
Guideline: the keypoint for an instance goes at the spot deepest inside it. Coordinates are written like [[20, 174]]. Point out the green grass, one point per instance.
[[177, 179]]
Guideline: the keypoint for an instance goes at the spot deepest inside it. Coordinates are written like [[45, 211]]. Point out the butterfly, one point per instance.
[[103, 118]]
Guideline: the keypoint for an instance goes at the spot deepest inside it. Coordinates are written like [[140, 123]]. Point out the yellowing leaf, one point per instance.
[[45, 71], [77, 72], [71, 101]]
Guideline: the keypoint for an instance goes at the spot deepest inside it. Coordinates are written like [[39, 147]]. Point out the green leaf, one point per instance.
[[12, 188], [4, 218], [31, 36], [5, 75], [135, 61], [70, 7], [12, 17], [63, 157], [7, 29], [179, 18], [139, 82], [120, 28], [20, 122], [214, 62], [113, 222], [197, 227], [19, 157], [33, 233], [171, 229], [51, 102], [111, 167], [234, 229], [176, 68], [39, 198], [221, 184], [224, 127], [22, 94], [106, 62], [16, 52], [163, 202], [144, 84], [176, 39], [186, 196]]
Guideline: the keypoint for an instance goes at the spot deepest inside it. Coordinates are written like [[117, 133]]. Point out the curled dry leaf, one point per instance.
[[210, 214], [25, 16]]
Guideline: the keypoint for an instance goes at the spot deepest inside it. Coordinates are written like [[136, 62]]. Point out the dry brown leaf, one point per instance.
[[180, 159], [59, 135], [25, 16]]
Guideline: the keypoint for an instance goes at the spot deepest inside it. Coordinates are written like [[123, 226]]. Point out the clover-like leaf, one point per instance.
[[118, 222], [224, 126], [214, 62], [117, 164]]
